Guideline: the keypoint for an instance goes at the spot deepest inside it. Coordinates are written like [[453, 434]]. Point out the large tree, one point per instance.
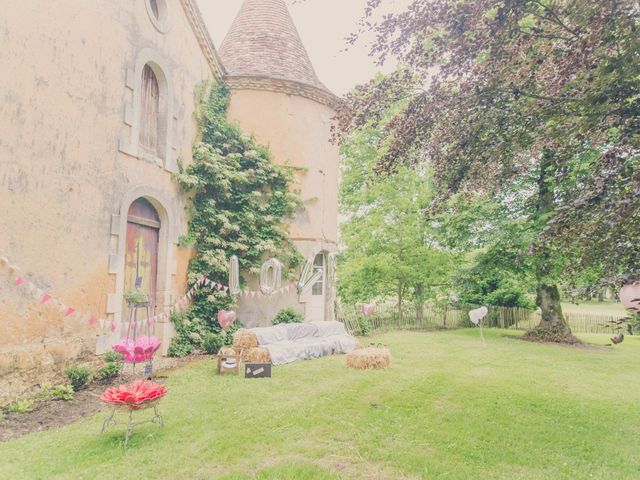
[[390, 247], [497, 91]]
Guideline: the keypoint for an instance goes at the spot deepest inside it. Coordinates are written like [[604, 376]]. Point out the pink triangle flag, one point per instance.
[[69, 311], [92, 320], [113, 326], [20, 281], [45, 298]]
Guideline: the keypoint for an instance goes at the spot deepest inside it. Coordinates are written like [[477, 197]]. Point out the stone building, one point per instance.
[[98, 104]]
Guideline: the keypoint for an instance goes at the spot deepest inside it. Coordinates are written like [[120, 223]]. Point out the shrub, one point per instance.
[[112, 357], [61, 392], [108, 372], [364, 326], [288, 315], [78, 377], [213, 343], [20, 406], [180, 347]]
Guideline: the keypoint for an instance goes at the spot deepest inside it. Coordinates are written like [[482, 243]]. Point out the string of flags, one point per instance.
[[43, 297]]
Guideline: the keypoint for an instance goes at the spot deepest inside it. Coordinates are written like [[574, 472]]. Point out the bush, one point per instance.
[[364, 326], [112, 357], [61, 392], [108, 372], [180, 347], [78, 377], [213, 343], [20, 406], [288, 315]]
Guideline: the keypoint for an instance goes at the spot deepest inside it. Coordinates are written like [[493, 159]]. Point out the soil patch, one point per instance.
[[580, 345], [48, 414]]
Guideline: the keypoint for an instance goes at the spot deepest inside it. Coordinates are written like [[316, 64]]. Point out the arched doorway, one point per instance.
[[141, 256], [316, 305]]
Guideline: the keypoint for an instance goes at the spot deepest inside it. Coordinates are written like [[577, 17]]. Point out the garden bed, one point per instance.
[[52, 413]]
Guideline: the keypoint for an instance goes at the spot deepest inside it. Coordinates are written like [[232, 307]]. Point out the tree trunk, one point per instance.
[[399, 303], [553, 326], [419, 303], [548, 299]]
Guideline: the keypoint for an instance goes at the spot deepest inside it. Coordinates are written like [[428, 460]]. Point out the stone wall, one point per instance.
[[70, 167]]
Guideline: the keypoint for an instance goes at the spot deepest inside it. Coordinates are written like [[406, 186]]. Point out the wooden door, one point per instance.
[[141, 262]]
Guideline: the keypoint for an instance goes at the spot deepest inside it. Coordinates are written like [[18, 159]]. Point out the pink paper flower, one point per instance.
[[138, 351]]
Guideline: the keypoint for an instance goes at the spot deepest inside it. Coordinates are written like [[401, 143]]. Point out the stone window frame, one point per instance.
[[167, 267], [161, 23], [129, 143]]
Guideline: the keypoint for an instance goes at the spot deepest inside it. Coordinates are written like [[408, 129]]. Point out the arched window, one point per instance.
[[150, 111]]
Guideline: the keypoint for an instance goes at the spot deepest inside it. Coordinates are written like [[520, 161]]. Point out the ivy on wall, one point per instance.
[[240, 201]]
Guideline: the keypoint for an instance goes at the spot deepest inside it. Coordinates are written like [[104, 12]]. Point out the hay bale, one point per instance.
[[256, 355], [226, 351], [369, 358], [244, 339]]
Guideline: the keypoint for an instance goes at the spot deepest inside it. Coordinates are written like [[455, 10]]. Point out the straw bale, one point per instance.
[[369, 358]]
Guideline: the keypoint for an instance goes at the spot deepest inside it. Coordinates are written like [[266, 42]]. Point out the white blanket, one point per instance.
[[304, 341]]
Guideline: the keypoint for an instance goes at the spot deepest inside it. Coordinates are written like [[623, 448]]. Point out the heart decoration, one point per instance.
[[478, 314], [226, 318], [368, 309], [630, 297]]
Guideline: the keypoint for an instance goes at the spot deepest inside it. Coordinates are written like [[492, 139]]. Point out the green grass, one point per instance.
[[593, 307], [448, 408]]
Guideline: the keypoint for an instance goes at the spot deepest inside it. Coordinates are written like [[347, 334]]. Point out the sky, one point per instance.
[[323, 26]]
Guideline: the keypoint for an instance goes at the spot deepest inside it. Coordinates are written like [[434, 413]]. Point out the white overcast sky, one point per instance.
[[323, 26]]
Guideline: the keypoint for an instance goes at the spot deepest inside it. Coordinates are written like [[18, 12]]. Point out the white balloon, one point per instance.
[[266, 286], [234, 276], [478, 314]]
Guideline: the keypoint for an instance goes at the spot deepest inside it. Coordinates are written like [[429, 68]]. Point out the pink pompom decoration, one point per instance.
[[226, 318]]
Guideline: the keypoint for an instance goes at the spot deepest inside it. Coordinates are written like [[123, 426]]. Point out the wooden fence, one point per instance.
[[387, 317]]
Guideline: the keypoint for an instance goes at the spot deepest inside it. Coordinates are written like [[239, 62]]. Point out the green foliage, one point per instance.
[[288, 315], [61, 392], [364, 326], [112, 357], [240, 203], [78, 377], [391, 247], [108, 372], [20, 406], [213, 342], [136, 297]]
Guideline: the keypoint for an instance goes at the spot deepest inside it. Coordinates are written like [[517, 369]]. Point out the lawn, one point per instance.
[[448, 408]]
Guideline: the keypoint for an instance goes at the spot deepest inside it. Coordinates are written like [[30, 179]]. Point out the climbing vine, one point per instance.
[[240, 201]]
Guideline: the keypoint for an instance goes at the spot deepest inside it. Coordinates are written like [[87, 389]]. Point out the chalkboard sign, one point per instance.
[[257, 370]]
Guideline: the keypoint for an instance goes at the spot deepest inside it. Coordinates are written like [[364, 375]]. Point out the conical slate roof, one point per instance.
[[264, 42]]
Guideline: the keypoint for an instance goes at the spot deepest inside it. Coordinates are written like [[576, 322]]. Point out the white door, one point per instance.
[[316, 304]]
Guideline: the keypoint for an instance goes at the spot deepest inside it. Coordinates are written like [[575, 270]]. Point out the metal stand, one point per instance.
[[111, 421], [133, 320]]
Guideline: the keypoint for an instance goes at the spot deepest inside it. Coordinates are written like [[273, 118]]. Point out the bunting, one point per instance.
[[42, 297]]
